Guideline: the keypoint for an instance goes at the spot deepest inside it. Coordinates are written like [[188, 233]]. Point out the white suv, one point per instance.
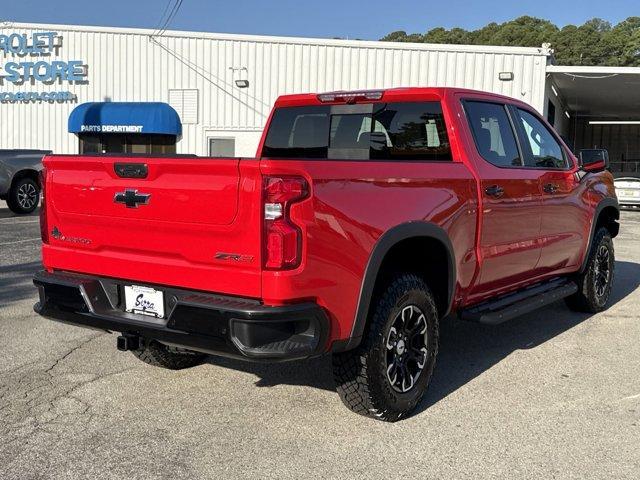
[[628, 191]]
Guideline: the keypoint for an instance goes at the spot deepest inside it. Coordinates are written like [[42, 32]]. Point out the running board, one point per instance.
[[515, 304]]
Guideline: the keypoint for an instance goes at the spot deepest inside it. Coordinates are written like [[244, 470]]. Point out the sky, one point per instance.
[[325, 18]]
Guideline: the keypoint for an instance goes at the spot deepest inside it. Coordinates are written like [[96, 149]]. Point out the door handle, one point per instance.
[[494, 191], [550, 188]]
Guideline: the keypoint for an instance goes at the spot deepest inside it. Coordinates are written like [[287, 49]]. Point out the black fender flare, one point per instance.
[[604, 203], [390, 238], [25, 173]]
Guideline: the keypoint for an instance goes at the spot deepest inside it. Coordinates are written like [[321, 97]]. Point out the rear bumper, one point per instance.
[[213, 324]]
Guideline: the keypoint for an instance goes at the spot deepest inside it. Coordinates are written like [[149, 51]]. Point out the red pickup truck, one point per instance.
[[366, 218]]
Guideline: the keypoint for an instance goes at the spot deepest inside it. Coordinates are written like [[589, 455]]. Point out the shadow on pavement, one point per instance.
[[469, 349], [16, 282], [315, 373], [466, 349]]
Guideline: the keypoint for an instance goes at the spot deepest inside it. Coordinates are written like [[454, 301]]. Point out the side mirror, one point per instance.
[[593, 159]]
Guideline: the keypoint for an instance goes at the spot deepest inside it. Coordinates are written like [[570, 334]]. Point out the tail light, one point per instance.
[[44, 227], [282, 237]]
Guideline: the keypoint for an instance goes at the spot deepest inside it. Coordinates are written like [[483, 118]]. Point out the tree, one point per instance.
[[596, 42], [623, 43], [525, 32], [582, 45], [401, 36]]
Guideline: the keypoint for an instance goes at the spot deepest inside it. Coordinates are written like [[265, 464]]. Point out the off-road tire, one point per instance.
[[587, 299], [361, 374], [159, 355], [19, 205]]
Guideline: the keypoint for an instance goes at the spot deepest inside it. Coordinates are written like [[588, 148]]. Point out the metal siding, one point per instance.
[[128, 66]]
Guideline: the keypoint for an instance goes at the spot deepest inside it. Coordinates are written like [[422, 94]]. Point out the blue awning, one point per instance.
[[125, 117]]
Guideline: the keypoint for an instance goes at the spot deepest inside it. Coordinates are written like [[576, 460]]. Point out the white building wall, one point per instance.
[[127, 65]]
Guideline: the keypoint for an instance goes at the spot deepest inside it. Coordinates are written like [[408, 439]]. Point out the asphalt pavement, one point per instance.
[[553, 394]]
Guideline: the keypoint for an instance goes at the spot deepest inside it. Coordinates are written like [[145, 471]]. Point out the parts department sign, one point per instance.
[[27, 59]]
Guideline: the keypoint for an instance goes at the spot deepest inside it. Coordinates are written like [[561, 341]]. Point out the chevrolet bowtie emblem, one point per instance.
[[131, 198]]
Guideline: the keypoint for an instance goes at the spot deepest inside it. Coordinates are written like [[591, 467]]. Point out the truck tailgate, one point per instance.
[[187, 222]]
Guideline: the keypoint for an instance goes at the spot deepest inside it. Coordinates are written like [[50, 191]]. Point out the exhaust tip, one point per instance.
[[127, 342]]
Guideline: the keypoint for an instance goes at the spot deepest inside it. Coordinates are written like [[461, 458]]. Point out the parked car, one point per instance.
[[366, 218], [628, 191], [19, 179]]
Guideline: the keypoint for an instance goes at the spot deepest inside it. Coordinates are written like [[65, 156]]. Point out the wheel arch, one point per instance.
[[26, 173], [415, 233], [606, 214]]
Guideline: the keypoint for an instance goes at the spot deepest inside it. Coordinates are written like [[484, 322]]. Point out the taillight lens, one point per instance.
[[44, 227], [282, 237]]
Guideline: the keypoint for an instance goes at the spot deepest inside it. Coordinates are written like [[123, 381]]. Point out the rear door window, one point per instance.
[[493, 133], [377, 131], [410, 131]]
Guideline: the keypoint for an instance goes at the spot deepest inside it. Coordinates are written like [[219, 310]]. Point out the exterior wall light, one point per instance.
[[505, 76], [240, 82]]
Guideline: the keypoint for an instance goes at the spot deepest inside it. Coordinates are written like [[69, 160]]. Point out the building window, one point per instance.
[[116, 143], [185, 102], [222, 147], [551, 113]]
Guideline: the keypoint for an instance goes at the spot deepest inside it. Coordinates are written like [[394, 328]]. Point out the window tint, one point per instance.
[[544, 151], [493, 134], [346, 136], [298, 132], [410, 131], [387, 131]]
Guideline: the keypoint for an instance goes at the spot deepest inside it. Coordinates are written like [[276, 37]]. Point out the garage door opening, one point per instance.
[[602, 108]]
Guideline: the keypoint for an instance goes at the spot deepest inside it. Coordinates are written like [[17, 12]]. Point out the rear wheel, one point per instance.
[[596, 281], [388, 373], [24, 196], [159, 355]]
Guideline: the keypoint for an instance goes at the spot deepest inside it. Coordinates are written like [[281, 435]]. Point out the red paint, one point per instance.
[[203, 207]]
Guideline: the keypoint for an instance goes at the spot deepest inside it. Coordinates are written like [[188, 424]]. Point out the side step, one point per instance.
[[515, 304]]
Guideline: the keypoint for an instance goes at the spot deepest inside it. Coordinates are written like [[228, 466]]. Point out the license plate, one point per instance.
[[629, 193], [144, 300]]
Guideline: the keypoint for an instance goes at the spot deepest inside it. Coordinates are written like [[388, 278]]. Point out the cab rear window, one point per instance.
[[374, 131]]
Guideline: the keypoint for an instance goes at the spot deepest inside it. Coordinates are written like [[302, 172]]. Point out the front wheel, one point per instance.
[[388, 373], [596, 281]]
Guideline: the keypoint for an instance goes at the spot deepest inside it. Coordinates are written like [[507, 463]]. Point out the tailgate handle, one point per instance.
[[131, 170]]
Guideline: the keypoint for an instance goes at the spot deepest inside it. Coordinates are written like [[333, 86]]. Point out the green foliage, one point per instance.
[[596, 42]]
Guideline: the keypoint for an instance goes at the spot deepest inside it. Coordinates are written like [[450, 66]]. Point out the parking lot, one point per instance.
[[551, 395]]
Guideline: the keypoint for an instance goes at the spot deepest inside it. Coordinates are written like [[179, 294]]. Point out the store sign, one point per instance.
[[111, 128], [27, 58]]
